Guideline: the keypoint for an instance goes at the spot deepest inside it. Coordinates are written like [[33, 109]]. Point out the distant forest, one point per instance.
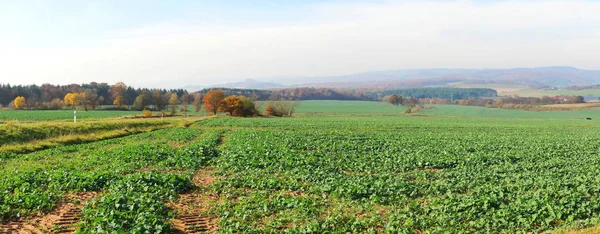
[[305, 93], [40, 97], [352, 94], [93, 95]]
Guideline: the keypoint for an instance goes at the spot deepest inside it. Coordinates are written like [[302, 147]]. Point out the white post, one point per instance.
[[75, 116]]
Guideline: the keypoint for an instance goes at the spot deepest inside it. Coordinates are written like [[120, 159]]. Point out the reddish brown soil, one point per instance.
[[192, 207], [63, 219]]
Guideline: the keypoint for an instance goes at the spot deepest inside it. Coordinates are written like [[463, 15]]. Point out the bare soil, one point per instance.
[[63, 219], [193, 207]]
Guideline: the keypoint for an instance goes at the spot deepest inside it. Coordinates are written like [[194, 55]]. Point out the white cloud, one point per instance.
[[335, 38]]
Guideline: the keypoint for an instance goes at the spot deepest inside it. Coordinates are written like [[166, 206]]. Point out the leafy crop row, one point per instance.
[[132, 199], [416, 175]]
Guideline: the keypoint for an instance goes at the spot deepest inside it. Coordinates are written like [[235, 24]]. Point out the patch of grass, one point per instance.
[[22, 138], [347, 107], [64, 115], [482, 112]]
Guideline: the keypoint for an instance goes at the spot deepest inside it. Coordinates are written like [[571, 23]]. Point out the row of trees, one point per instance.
[[510, 102], [90, 96], [303, 93], [398, 100], [236, 105]]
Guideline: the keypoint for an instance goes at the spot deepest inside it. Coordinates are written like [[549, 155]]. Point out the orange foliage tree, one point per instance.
[[212, 100], [238, 106], [232, 105]]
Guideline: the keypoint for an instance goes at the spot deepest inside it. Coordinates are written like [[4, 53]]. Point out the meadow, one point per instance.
[[64, 115], [317, 108], [359, 174], [483, 112], [526, 91]]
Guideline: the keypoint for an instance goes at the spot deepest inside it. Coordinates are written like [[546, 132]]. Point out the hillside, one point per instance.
[[405, 78]]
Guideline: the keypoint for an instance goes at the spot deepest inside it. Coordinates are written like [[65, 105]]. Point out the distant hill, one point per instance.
[[246, 84], [534, 77], [436, 77]]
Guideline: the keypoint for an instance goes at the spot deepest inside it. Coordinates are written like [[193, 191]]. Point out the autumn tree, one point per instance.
[[81, 99], [19, 103], [141, 101], [238, 106], [71, 100], [118, 93], [173, 101], [212, 99], [396, 99], [410, 102], [249, 106], [92, 99], [55, 104], [185, 99], [281, 107], [157, 99], [197, 102], [231, 105]]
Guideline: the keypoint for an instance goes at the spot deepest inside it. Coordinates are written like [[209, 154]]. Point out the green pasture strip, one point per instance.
[[19, 133], [62, 115], [347, 107], [483, 112]]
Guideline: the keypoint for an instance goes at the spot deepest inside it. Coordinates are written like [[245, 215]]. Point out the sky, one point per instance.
[[171, 44]]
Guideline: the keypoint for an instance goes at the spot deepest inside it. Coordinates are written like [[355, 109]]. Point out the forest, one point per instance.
[[48, 96]]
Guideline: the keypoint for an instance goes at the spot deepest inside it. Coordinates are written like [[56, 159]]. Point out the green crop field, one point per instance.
[[314, 174]]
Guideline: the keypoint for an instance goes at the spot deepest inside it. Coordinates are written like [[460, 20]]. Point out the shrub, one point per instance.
[[147, 113]]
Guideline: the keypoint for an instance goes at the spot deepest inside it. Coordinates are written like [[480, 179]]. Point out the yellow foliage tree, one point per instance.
[[173, 101], [19, 103], [118, 92], [72, 99]]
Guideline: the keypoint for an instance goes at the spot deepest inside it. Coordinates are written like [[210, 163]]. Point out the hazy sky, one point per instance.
[[175, 43]]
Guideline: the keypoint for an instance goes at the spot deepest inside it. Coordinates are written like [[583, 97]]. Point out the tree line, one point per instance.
[[88, 96], [508, 102], [301, 93], [214, 101]]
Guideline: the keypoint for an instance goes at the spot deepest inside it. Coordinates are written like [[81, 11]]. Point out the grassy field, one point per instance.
[[482, 112], [540, 93], [347, 107], [66, 115], [305, 108], [327, 108], [19, 138], [525, 91]]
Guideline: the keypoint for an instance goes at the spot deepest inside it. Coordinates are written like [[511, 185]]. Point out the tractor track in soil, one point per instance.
[[192, 207], [63, 219]]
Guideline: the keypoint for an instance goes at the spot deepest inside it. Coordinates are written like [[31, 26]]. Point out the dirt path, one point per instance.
[[192, 207], [63, 219]]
